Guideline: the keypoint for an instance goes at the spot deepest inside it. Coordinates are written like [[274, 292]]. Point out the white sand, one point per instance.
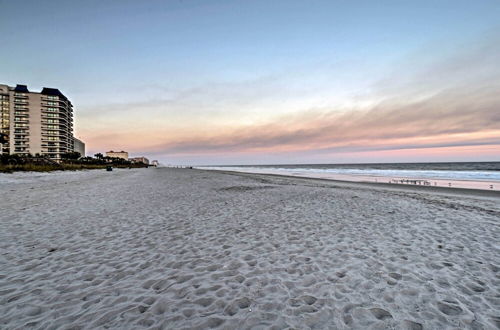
[[179, 248]]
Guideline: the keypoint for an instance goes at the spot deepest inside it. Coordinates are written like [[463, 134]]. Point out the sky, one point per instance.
[[209, 82]]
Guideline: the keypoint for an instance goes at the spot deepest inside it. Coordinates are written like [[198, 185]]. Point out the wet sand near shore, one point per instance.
[[490, 185], [178, 248], [444, 190]]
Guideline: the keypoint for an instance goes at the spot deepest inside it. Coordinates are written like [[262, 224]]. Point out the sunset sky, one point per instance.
[[266, 82]]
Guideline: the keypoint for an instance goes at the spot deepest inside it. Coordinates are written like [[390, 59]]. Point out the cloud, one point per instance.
[[440, 66], [450, 102], [450, 113]]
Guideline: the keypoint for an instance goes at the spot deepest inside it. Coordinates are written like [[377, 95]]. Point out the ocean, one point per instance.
[[479, 175]]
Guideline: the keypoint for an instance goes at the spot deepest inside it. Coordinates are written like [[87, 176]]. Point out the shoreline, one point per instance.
[[455, 191], [393, 186], [477, 179]]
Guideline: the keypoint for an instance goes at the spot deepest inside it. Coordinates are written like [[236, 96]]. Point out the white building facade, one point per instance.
[[79, 147]]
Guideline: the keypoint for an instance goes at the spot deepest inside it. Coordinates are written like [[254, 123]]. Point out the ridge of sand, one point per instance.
[[178, 248]]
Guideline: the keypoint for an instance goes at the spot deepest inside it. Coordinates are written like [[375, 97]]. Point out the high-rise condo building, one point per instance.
[[36, 122]]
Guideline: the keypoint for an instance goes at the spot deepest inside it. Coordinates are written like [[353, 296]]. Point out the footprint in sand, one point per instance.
[[188, 312], [449, 307], [477, 287], [380, 314], [243, 302], [205, 302], [236, 305], [213, 322], [231, 310], [410, 325], [309, 299], [305, 309], [396, 276], [496, 321]]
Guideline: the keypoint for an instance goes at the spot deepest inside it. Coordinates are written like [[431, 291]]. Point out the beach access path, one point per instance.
[[185, 248]]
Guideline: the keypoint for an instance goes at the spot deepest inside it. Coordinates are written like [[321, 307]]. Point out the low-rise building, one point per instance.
[[143, 160], [117, 154]]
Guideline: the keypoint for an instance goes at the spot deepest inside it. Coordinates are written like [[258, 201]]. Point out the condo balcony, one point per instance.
[[44, 116], [50, 98], [23, 121], [53, 104], [21, 145], [63, 129], [59, 125], [21, 113], [47, 122], [20, 96], [51, 132], [57, 110], [55, 99]]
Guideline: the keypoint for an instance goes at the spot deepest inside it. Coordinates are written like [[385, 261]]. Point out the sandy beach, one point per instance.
[[191, 249]]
